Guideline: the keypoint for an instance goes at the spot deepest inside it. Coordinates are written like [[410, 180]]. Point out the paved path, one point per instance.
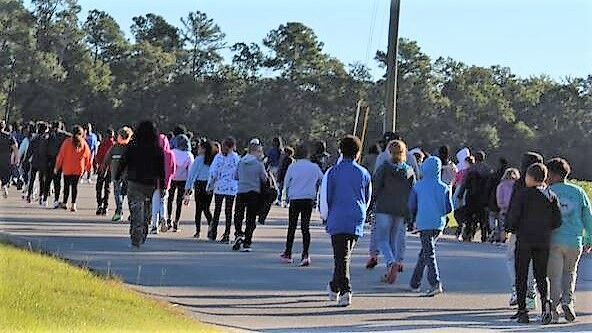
[[253, 291]]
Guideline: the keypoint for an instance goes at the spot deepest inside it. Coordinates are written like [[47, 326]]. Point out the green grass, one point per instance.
[[42, 294]]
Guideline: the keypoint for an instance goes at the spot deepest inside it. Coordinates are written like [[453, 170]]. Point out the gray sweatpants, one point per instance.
[[562, 271]]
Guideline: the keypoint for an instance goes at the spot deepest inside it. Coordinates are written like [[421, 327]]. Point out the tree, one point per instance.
[[154, 29], [205, 40], [104, 36], [247, 59]]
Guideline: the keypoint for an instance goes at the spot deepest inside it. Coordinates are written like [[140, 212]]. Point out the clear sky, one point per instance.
[[532, 37]]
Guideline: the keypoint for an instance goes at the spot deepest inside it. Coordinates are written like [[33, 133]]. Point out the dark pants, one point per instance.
[[71, 184], [228, 203], [299, 208], [343, 246], [140, 206], [55, 179], [248, 202], [540, 256], [177, 186], [203, 199], [103, 189], [264, 208], [427, 258], [43, 179]]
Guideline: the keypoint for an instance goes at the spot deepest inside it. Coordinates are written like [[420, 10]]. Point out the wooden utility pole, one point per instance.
[[390, 114]]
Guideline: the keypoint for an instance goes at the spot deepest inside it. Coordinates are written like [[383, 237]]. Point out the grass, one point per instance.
[[42, 294]]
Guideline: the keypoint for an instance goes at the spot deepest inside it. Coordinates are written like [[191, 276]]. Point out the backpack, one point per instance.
[[269, 189]]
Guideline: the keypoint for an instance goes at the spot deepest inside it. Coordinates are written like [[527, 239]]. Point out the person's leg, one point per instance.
[[180, 188], [373, 246], [540, 264], [350, 241], [251, 217], [400, 241], [147, 209], [293, 212], [106, 191], [31, 183], [118, 197], [218, 200], [239, 214], [74, 184], [57, 186], [136, 206], [421, 262], [170, 203], [44, 175], [99, 191], [555, 272], [154, 218], [265, 207], [198, 196], [67, 185], [511, 264], [228, 203], [382, 233], [431, 260], [339, 244], [523, 256], [305, 215], [570, 269]]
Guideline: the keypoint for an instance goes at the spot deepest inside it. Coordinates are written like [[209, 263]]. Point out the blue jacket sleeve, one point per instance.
[[412, 203], [448, 201]]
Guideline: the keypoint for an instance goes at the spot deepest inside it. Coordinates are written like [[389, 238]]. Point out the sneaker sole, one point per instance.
[[569, 316]]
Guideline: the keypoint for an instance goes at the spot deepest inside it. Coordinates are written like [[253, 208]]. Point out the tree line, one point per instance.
[[53, 65]]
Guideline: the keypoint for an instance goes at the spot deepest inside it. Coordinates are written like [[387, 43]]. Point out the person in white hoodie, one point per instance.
[[301, 183], [183, 159]]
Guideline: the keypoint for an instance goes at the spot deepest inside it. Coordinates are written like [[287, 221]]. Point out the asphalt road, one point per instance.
[[255, 292]]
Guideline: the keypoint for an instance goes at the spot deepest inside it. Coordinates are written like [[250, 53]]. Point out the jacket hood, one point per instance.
[[182, 142], [432, 168], [164, 143], [461, 156]]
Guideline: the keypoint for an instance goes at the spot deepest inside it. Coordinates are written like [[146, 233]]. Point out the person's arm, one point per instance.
[[88, 159], [378, 180], [193, 172], [213, 174], [412, 202], [449, 204], [556, 211], [586, 213], [288, 181], [323, 197], [368, 192], [515, 210], [60, 159]]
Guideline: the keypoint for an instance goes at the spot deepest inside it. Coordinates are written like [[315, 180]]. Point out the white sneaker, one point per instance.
[[415, 290], [332, 295], [5, 191], [433, 291], [345, 299], [56, 204]]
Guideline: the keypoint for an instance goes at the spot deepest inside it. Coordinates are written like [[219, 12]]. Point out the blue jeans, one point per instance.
[[427, 257], [118, 195], [390, 237]]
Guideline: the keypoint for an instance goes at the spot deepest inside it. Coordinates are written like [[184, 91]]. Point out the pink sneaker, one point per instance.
[[286, 259]]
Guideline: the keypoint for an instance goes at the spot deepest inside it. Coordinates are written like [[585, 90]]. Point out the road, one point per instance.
[[255, 292]]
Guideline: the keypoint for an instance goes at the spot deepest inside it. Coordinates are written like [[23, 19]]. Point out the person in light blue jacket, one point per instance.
[[430, 201], [345, 197], [198, 180]]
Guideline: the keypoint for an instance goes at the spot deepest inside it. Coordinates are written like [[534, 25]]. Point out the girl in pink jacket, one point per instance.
[[159, 198], [503, 195]]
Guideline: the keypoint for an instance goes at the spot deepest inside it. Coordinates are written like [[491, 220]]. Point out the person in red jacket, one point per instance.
[[74, 159], [104, 174]]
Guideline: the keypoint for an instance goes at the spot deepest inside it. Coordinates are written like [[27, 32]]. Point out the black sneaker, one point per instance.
[[523, 317], [104, 211], [515, 315], [569, 313], [246, 248], [99, 211], [224, 240], [546, 315], [237, 244]]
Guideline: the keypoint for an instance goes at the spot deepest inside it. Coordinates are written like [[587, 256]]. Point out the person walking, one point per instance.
[[287, 160], [159, 208], [143, 162], [503, 195], [392, 184], [250, 174], [274, 155], [430, 201], [57, 136], [345, 196], [183, 160], [37, 154], [566, 241], [223, 183], [196, 184], [103, 187], [73, 160], [93, 144], [302, 182], [8, 149], [111, 163]]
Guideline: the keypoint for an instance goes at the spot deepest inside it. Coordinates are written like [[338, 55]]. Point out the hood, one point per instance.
[[249, 159], [461, 156], [163, 141], [182, 142], [529, 159], [431, 168]]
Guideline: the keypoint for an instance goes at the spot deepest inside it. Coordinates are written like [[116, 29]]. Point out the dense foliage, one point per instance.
[[54, 66]]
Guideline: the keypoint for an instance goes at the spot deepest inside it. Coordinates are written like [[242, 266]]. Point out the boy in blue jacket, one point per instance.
[[430, 201], [345, 195]]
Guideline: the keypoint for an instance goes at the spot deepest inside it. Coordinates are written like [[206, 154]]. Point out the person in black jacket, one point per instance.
[[144, 162], [475, 186], [37, 154], [534, 214], [57, 136]]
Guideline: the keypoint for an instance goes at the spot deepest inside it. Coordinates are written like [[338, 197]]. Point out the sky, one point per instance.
[[532, 37]]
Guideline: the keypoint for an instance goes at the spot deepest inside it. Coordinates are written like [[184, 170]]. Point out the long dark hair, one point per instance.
[[77, 136], [208, 151], [146, 135]]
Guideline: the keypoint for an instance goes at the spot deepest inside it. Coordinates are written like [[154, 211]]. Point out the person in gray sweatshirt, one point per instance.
[[250, 173], [301, 182]]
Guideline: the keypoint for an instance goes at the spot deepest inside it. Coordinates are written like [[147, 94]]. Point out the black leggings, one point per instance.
[[302, 208], [177, 186], [539, 255], [71, 182], [43, 179], [229, 202], [203, 199]]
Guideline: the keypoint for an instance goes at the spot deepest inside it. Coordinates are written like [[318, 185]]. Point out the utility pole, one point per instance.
[[390, 114]]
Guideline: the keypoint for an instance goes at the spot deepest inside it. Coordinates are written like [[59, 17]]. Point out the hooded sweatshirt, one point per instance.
[[302, 180], [170, 165], [503, 194], [73, 161], [183, 158], [222, 174], [392, 184], [528, 159], [576, 215], [250, 173], [430, 200]]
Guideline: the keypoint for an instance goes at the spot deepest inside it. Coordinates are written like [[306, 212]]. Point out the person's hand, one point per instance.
[[163, 192], [55, 171]]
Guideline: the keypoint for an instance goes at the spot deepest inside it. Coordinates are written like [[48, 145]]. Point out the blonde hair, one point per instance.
[[511, 174], [398, 151]]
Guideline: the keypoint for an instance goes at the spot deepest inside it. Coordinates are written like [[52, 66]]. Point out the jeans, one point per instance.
[[203, 199], [562, 269], [250, 202], [71, 183], [177, 186], [139, 200], [390, 237], [228, 203], [299, 208], [539, 255], [159, 209], [427, 257], [103, 189], [343, 245], [511, 265], [118, 194]]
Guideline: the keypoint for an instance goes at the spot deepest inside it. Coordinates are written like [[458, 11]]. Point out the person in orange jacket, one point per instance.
[[74, 159]]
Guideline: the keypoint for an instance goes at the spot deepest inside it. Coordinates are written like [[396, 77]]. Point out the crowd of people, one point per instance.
[[534, 211]]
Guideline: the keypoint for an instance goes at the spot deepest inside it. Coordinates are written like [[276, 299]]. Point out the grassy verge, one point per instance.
[[42, 294]]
